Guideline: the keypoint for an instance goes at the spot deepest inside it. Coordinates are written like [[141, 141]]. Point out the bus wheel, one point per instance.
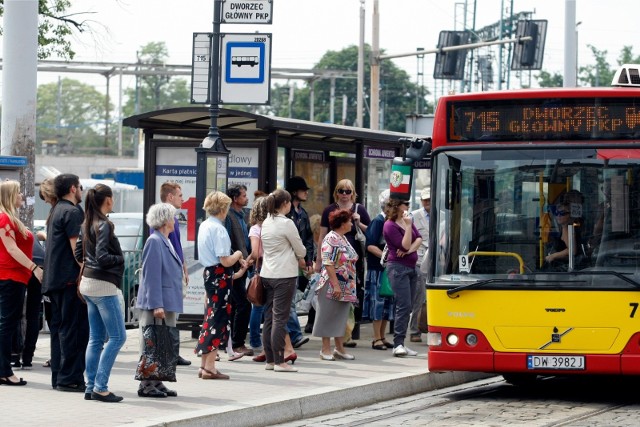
[[520, 380]]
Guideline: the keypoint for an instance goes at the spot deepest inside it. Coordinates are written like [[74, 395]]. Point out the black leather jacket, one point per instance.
[[301, 220], [103, 259]]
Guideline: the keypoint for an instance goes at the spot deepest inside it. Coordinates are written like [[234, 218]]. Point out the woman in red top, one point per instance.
[[16, 268]]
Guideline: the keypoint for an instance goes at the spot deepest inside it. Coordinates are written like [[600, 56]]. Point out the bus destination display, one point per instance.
[[567, 119]]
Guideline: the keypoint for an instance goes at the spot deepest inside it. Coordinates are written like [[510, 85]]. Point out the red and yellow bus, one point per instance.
[[534, 259]]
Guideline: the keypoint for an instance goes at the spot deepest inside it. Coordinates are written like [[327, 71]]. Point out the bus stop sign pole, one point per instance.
[[212, 154]]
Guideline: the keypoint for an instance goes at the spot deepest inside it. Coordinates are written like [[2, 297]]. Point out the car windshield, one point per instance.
[[529, 212], [129, 231]]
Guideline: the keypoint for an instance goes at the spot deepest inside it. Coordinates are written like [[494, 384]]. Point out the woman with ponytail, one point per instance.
[[16, 268], [283, 254], [99, 249]]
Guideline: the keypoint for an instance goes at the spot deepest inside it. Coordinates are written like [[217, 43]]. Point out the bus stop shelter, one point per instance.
[[266, 150]]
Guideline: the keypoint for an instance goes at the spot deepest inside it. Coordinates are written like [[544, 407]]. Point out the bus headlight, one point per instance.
[[452, 339], [434, 339], [472, 340]]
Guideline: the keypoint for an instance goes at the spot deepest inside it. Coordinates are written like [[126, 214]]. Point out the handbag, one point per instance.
[[159, 357], [255, 291], [385, 285]]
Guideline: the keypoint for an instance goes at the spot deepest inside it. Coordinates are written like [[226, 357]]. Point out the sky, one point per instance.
[[303, 30]]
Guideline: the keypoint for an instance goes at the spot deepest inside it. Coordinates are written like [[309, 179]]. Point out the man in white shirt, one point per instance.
[[421, 221]]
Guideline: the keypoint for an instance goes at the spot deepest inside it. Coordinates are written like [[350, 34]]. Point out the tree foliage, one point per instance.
[[72, 114], [55, 28], [397, 93], [597, 74], [546, 79], [157, 91]]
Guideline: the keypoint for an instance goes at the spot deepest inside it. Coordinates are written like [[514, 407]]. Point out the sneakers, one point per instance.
[[402, 351], [411, 352], [399, 351], [302, 341]]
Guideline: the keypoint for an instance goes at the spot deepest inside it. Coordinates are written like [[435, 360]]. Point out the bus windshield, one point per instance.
[[505, 212]]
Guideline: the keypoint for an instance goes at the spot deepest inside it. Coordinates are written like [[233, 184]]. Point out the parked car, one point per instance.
[[128, 228]]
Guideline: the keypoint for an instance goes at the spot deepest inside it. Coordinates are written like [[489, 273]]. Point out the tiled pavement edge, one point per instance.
[[253, 396]]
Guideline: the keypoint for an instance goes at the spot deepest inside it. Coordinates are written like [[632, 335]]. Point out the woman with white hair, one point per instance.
[[376, 308], [160, 292]]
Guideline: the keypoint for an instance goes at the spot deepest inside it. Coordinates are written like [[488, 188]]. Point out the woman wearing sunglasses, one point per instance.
[[345, 196]]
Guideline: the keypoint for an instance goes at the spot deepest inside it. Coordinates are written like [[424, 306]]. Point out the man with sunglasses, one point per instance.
[[69, 324]]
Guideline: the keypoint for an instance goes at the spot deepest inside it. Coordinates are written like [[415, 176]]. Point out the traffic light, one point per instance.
[[450, 64], [528, 54]]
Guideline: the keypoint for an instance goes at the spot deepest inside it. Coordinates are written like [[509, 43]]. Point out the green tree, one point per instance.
[[627, 57], [598, 74], [72, 114], [546, 79], [55, 28], [157, 91], [397, 92]]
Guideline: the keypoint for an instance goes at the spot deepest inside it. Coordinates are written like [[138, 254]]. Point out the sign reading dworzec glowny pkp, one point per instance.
[[245, 59], [247, 11]]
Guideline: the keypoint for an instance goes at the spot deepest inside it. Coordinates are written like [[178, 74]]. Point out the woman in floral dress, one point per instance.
[[337, 286]]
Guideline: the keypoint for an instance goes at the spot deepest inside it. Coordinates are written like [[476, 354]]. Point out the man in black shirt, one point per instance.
[[69, 325], [299, 190]]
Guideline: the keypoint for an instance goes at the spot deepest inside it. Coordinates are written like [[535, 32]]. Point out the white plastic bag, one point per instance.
[[309, 296]]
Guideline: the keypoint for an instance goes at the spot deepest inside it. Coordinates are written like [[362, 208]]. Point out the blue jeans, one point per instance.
[[404, 283], [105, 320], [255, 335], [293, 324]]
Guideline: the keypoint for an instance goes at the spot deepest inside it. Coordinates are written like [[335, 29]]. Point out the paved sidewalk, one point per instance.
[[253, 396]]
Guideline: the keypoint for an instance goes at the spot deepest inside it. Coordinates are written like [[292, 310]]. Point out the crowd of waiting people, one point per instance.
[[81, 271]]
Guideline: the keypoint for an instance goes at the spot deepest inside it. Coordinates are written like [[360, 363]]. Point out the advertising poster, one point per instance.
[[179, 165]]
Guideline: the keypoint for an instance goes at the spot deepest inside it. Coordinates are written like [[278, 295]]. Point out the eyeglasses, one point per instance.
[[562, 213], [344, 191], [80, 187]]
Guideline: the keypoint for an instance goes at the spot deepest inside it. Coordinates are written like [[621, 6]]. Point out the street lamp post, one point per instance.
[[212, 154]]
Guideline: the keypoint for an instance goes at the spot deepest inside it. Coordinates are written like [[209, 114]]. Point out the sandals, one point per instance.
[[208, 375], [380, 346], [387, 344], [7, 381]]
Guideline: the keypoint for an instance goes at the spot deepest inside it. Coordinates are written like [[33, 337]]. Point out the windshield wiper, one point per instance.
[[621, 276], [481, 283]]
